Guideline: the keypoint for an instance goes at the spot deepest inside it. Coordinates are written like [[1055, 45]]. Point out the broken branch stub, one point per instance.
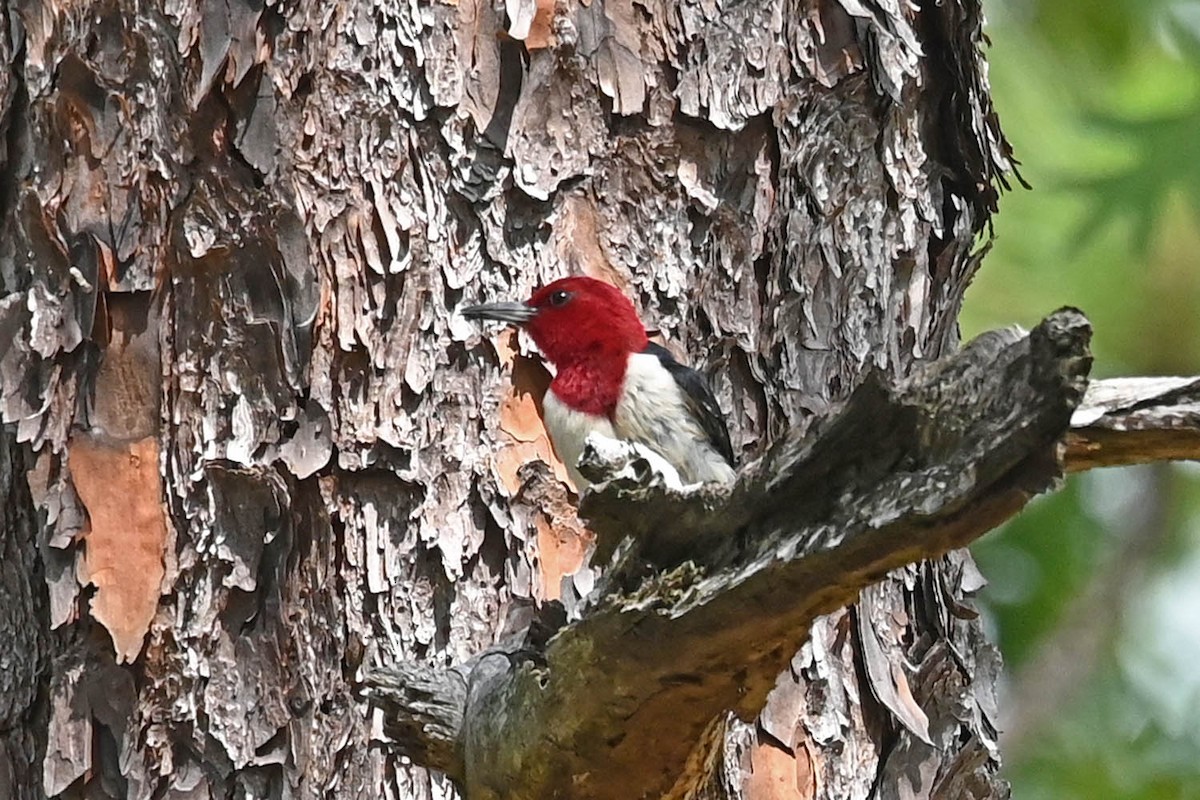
[[716, 589], [423, 712]]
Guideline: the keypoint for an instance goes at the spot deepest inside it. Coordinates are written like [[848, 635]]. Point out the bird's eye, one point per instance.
[[559, 298]]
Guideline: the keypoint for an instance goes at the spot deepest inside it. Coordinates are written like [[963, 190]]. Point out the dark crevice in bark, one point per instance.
[[24, 629], [14, 123]]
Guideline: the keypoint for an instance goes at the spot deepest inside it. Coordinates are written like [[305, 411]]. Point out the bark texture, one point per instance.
[[260, 444]]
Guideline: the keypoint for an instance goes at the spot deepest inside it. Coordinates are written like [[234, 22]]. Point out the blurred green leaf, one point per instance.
[[1166, 157], [1040, 561]]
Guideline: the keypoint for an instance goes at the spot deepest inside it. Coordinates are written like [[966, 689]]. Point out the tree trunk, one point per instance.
[[262, 448]]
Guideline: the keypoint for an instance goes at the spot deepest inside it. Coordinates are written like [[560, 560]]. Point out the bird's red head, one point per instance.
[[580, 319], [574, 321], [586, 328]]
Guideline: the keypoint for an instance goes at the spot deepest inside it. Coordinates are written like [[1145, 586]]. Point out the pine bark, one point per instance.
[[249, 446]]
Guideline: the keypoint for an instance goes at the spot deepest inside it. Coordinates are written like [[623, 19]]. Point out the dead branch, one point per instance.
[[1135, 421], [711, 592]]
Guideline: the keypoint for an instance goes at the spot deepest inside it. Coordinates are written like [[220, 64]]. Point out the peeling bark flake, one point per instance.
[[124, 543]]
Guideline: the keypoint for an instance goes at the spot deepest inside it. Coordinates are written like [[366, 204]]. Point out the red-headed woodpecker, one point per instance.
[[613, 381]]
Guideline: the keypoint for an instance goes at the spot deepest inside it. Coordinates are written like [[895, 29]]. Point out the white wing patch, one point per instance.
[[653, 411]]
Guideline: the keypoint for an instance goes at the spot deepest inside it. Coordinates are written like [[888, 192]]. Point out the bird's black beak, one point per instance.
[[505, 312]]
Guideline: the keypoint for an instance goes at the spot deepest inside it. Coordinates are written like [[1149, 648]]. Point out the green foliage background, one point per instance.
[[1095, 591]]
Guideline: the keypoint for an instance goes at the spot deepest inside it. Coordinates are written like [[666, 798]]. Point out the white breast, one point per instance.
[[568, 429]]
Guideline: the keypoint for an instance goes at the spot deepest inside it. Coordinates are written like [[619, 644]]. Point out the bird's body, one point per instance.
[[613, 381], [646, 412]]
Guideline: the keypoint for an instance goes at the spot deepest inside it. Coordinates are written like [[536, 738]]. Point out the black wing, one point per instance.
[[700, 398]]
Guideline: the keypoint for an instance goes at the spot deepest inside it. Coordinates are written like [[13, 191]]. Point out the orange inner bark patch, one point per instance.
[[778, 775], [119, 485], [521, 417], [521, 410], [562, 545], [508, 462], [561, 538], [506, 347], [806, 773], [579, 244], [541, 30]]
